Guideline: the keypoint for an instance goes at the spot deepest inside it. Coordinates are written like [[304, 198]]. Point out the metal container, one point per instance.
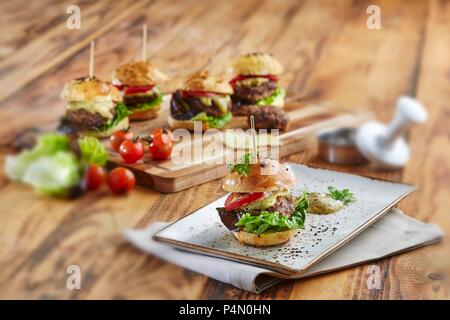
[[338, 146]]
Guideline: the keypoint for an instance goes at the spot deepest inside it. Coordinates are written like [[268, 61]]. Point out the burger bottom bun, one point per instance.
[[105, 134], [146, 114], [184, 124], [265, 239]]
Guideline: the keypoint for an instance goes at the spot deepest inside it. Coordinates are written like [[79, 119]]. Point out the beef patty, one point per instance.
[[284, 205], [250, 95], [133, 101], [267, 117], [81, 119]]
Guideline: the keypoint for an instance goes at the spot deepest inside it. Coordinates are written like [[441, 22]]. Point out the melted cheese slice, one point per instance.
[[103, 105]]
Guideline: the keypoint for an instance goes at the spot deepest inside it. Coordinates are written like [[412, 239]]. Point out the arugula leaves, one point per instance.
[[273, 221], [343, 195], [213, 122], [242, 168]]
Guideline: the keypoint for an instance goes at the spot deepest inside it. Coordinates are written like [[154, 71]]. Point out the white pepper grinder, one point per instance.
[[385, 145]]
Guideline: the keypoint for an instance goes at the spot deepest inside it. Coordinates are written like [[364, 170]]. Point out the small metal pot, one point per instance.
[[338, 146]]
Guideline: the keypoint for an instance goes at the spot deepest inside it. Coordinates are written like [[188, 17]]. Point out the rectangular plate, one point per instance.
[[203, 232]]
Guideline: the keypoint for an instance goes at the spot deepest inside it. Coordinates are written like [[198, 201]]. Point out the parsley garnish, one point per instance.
[[242, 168], [343, 195]]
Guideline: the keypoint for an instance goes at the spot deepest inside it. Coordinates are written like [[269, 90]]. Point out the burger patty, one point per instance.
[[267, 117], [284, 205], [186, 107], [250, 95], [135, 100], [82, 119]]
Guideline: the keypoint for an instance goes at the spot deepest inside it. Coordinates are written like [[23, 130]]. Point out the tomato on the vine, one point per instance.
[[118, 137], [131, 151], [121, 180], [94, 177]]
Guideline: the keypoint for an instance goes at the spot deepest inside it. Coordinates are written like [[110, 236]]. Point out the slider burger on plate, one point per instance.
[[137, 82], [94, 107], [257, 92], [204, 98], [260, 210]]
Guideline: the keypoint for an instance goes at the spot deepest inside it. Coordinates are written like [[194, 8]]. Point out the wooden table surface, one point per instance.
[[329, 55]]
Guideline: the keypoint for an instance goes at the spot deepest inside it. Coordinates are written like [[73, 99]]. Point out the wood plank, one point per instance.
[[54, 46]]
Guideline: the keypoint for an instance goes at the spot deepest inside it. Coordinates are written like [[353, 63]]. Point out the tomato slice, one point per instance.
[[232, 203], [243, 77], [134, 89]]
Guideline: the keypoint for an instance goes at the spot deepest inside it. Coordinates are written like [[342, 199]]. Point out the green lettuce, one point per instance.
[[92, 151], [147, 105], [55, 174], [213, 122], [51, 167], [276, 99], [47, 145], [121, 113], [273, 221]]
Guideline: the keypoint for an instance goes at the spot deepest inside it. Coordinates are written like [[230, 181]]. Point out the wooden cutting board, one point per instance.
[[192, 164]]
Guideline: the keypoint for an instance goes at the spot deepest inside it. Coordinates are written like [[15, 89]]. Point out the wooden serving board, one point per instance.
[[199, 166]]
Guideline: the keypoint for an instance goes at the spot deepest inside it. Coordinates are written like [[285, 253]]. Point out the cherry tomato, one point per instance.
[[119, 136], [95, 176], [121, 180], [131, 151], [232, 202], [161, 144]]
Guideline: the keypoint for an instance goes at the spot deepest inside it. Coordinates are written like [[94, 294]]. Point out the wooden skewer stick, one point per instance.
[[91, 60], [211, 60], [144, 42], [255, 146]]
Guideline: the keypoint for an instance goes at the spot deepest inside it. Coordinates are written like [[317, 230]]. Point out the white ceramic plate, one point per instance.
[[203, 232]]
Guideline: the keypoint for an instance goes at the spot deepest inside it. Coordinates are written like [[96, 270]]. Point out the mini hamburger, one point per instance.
[[257, 93], [260, 210], [202, 98], [137, 82], [256, 82], [94, 107]]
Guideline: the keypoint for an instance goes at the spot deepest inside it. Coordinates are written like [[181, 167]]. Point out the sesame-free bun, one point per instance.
[[202, 81], [105, 134], [86, 89], [185, 124], [265, 176], [146, 114], [254, 64], [265, 239], [138, 73]]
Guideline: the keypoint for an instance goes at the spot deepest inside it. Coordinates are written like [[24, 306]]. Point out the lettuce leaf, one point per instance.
[[213, 122], [148, 105], [273, 221], [55, 174], [92, 151], [47, 145], [121, 113], [276, 99]]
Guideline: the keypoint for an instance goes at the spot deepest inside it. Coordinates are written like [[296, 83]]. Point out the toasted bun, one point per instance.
[[146, 114], [257, 64], [202, 81], [265, 239], [184, 124], [268, 175], [86, 89], [138, 73], [105, 134]]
